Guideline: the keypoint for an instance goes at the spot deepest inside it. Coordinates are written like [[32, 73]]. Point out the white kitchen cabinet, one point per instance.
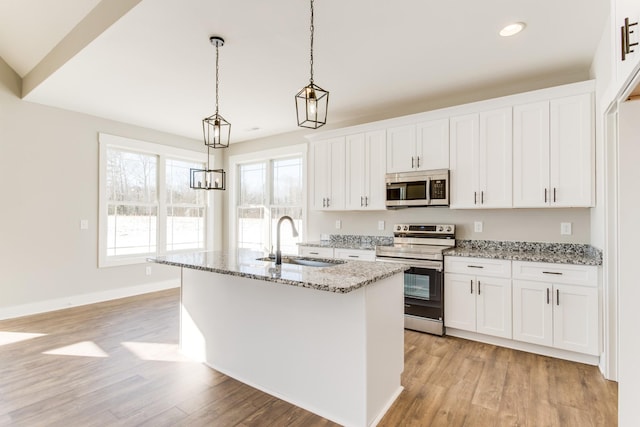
[[329, 174], [481, 160], [553, 153], [355, 254], [315, 251], [424, 146], [626, 21], [478, 302], [556, 305], [365, 169]]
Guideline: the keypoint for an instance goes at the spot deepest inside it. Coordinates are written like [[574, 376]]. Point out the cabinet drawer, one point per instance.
[[355, 254], [585, 275], [477, 266], [313, 251]]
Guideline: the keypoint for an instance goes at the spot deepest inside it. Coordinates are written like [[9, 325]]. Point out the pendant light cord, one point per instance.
[[311, 58], [217, 79]]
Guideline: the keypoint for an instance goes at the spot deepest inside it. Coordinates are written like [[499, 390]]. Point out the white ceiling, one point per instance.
[[154, 66]]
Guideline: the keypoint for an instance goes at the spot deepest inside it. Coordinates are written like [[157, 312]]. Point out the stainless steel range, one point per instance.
[[420, 246]]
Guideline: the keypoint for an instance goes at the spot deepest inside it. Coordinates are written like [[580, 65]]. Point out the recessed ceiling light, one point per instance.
[[512, 29]]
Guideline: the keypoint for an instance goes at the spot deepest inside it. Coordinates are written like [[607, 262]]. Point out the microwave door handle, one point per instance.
[[428, 191]]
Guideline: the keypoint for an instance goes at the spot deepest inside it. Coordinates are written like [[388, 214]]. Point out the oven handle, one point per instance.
[[434, 265]]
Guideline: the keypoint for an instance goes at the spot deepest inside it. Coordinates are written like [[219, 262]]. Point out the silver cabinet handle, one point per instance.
[[471, 286], [475, 266], [547, 296], [361, 201], [552, 272], [554, 194], [557, 296], [328, 202], [314, 253], [366, 201], [482, 197], [354, 256], [412, 162], [478, 287], [475, 197], [324, 202], [545, 195], [418, 165]]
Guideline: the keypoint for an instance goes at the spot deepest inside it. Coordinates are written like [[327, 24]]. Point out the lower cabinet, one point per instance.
[[350, 254], [553, 305], [560, 315], [476, 302]]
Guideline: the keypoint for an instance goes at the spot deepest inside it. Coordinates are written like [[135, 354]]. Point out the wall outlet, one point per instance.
[[84, 224], [565, 228], [477, 226], [338, 224], [380, 225], [147, 270]]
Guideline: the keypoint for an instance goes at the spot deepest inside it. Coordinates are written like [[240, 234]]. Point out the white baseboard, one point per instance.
[[84, 299]]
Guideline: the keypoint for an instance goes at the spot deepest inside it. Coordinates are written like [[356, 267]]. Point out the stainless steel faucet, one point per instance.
[[295, 234]]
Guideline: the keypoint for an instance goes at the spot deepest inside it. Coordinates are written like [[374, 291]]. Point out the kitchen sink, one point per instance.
[[307, 262]]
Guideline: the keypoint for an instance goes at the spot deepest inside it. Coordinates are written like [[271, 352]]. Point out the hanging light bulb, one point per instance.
[[312, 101]]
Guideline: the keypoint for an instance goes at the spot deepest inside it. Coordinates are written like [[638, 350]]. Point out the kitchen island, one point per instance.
[[327, 339]]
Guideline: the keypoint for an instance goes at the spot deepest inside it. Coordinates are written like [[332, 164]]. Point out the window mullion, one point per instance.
[[161, 197]]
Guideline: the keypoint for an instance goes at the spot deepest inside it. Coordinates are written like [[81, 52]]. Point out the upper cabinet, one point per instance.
[[553, 153], [480, 160], [424, 146], [329, 173], [626, 33], [365, 169]]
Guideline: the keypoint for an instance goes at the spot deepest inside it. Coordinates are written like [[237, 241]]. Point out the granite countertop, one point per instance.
[[348, 241], [340, 278], [559, 253]]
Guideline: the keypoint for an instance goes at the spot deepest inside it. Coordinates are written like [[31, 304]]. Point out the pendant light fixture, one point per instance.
[[312, 101], [216, 135], [215, 128]]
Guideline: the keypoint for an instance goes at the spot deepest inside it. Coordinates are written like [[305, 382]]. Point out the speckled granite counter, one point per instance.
[[340, 278], [347, 241], [559, 253]]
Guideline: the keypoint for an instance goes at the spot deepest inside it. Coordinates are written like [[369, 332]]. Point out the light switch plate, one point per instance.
[[84, 224], [565, 228], [477, 226], [380, 225], [338, 224], [147, 270]]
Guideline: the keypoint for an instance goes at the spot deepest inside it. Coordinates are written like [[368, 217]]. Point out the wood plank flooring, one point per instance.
[[116, 364]]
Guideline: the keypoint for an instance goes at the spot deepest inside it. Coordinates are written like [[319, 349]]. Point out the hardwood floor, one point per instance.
[[116, 364]]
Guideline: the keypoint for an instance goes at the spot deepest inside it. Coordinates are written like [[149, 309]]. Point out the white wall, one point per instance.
[[48, 182]]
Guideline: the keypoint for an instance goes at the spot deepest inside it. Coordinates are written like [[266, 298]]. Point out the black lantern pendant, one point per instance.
[[312, 101], [217, 131]]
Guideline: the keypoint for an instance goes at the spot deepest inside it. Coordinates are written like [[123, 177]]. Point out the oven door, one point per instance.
[[423, 287], [423, 292]]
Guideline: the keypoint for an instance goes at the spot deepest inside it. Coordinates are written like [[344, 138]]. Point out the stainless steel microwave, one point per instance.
[[415, 189]]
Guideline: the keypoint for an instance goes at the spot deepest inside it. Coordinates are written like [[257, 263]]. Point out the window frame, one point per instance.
[[163, 153], [263, 156]]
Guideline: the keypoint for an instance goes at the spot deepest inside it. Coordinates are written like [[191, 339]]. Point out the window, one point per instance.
[[146, 205], [267, 189]]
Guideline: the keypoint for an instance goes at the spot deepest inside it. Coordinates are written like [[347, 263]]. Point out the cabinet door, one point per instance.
[[356, 183], [320, 181], [464, 154], [460, 301], [401, 149], [531, 155], [625, 68], [495, 162], [571, 151], [533, 312], [375, 167], [575, 319], [337, 174], [432, 147], [493, 305]]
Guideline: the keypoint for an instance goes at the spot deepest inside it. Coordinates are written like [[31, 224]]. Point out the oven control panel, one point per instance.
[[429, 229]]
